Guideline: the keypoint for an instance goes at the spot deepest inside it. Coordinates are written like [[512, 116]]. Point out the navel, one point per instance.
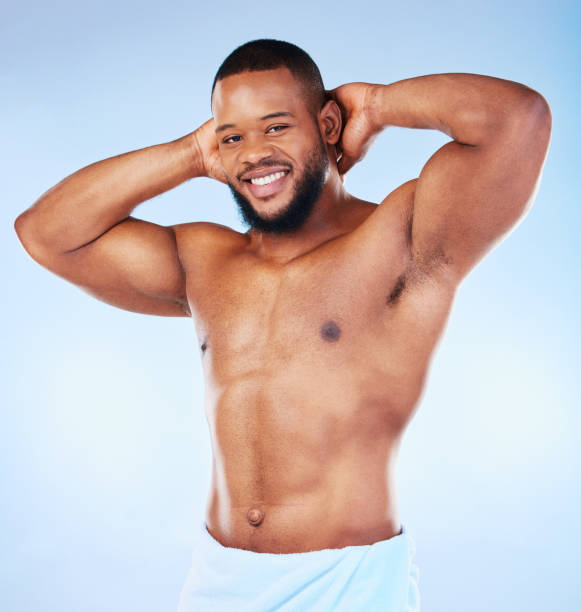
[[255, 516], [330, 331]]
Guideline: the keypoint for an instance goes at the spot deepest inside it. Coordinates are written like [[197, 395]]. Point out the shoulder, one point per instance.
[[202, 240], [390, 221], [384, 240], [397, 212], [200, 230], [399, 204]]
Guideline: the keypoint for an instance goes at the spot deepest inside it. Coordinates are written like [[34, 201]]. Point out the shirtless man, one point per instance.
[[316, 327]]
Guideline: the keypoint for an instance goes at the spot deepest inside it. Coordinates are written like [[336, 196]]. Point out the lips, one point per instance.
[[263, 172], [270, 189]]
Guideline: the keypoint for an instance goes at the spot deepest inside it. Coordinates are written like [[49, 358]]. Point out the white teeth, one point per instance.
[[265, 180]]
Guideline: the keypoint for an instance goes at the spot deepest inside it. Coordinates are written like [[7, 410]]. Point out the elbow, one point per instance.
[[20, 224], [534, 110], [538, 122], [539, 110], [24, 228], [528, 124], [523, 117]]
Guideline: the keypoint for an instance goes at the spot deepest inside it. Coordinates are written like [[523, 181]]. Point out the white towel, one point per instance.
[[369, 578]]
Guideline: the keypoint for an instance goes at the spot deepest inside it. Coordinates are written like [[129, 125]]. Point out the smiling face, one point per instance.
[[271, 148]]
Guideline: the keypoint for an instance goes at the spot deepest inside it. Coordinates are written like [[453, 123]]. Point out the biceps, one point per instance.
[[134, 266], [468, 197]]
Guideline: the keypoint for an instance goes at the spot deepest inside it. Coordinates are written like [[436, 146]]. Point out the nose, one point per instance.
[[255, 149]]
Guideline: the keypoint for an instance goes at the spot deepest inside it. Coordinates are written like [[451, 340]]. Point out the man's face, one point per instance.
[[271, 148]]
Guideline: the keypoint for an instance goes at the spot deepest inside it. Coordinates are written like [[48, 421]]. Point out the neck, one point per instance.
[[325, 222]]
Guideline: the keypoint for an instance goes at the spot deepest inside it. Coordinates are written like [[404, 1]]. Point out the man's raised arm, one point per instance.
[[81, 229], [473, 190]]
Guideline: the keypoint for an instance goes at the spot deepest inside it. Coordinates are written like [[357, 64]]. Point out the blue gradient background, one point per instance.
[[105, 454]]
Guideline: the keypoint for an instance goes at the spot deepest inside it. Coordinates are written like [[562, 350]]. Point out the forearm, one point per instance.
[[468, 107], [92, 200]]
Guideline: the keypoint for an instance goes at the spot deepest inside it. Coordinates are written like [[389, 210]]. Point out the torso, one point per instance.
[[313, 368]]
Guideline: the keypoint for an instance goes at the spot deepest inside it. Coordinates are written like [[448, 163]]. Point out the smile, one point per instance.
[[265, 180], [265, 186]]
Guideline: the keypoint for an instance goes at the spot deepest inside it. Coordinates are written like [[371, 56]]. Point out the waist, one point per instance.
[[314, 520]]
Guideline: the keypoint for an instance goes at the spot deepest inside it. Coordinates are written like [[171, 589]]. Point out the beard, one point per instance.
[[306, 192]]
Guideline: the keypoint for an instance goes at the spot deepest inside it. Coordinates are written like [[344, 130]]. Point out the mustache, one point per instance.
[[266, 163]]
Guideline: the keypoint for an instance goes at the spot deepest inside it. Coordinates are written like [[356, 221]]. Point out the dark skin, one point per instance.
[[315, 344]]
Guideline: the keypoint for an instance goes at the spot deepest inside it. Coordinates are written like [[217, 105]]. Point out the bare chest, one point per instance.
[[329, 310]]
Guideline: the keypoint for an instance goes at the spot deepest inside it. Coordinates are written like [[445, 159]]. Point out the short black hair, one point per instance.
[[269, 54]]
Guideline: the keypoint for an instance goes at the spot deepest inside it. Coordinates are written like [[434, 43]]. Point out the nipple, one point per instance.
[[255, 516], [330, 331]]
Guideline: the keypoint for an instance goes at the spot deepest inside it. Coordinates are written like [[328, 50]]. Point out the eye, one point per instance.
[[277, 128], [229, 139]]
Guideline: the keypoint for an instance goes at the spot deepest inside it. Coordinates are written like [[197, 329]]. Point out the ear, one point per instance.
[[330, 122]]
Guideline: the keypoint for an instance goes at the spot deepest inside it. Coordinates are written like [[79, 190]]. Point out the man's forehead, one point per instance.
[[257, 93]]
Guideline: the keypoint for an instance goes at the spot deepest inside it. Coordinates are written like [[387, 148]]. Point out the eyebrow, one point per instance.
[[227, 126]]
